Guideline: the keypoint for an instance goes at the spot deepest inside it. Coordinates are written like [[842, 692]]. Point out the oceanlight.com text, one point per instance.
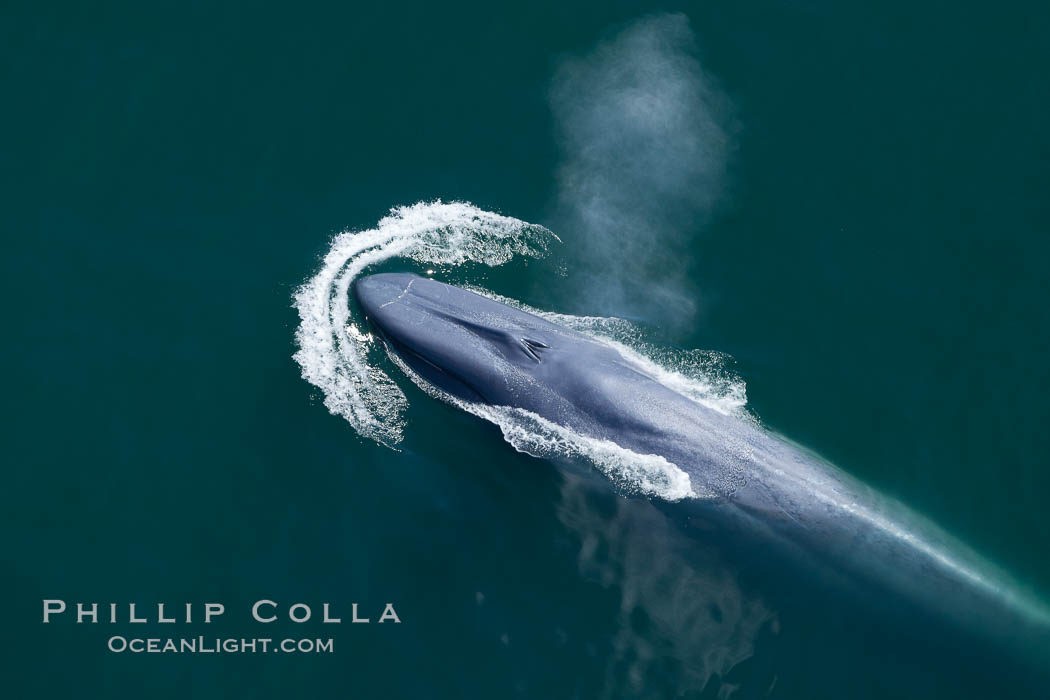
[[218, 645]]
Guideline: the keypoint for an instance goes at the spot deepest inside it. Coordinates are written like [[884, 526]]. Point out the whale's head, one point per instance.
[[468, 345], [483, 351]]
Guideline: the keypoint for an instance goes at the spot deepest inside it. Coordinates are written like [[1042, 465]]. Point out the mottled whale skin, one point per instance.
[[748, 482]]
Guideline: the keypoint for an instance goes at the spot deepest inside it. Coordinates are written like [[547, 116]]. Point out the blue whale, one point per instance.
[[748, 482]]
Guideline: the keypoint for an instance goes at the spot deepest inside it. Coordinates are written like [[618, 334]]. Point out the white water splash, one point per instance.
[[334, 348], [531, 434], [338, 355]]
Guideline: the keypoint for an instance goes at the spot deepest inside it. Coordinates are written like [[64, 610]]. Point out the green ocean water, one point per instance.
[[876, 264]]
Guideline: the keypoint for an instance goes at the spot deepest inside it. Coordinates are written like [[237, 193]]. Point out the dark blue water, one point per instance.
[[848, 201]]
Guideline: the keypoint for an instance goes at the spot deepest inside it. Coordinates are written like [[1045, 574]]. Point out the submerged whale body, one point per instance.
[[750, 483]]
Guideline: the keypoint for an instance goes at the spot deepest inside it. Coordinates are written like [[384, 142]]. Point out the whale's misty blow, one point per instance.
[[643, 132]]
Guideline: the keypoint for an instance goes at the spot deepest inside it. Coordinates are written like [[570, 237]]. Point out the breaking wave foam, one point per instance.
[[336, 351], [338, 355], [536, 436]]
